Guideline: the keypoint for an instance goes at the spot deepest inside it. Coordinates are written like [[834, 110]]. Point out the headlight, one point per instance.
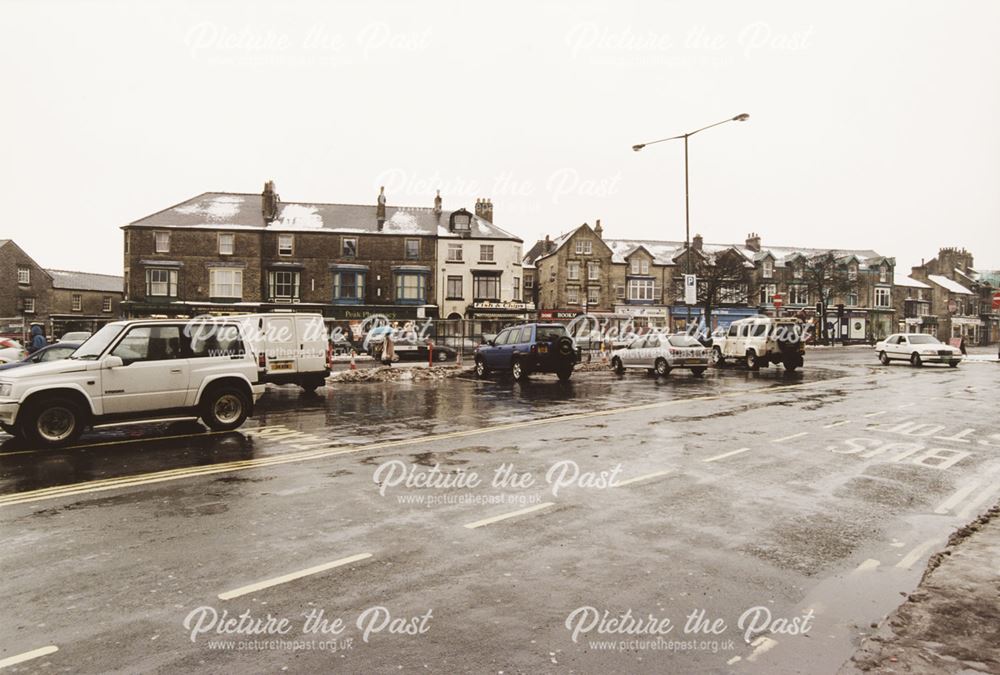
[[5, 389]]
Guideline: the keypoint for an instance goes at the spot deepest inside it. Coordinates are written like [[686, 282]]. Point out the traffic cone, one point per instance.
[[353, 365]]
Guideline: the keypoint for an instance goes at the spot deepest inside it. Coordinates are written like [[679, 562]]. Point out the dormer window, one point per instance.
[[767, 268], [797, 271], [460, 221], [883, 274]]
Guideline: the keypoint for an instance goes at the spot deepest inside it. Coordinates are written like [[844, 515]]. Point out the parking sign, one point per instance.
[[690, 289]]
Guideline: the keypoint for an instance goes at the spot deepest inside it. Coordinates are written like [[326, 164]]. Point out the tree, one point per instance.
[[825, 278], [723, 278]]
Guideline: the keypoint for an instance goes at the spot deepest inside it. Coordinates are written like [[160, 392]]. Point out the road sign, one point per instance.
[[690, 289], [996, 301], [778, 301]]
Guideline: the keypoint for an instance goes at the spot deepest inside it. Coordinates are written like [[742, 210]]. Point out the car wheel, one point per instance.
[[718, 360], [517, 371], [661, 367], [53, 422], [953, 364], [698, 372], [916, 361], [442, 355], [617, 366], [565, 373], [753, 363], [481, 369], [224, 408], [883, 358], [311, 384]]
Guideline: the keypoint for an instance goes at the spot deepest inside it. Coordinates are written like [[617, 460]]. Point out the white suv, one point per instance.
[[761, 340], [134, 370]]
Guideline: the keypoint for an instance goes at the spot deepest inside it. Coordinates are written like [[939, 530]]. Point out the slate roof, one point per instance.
[[907, 282], [948, 284], [86, 281], [235, 211]]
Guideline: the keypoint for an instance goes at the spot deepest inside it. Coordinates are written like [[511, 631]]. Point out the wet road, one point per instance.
[[816, 495]]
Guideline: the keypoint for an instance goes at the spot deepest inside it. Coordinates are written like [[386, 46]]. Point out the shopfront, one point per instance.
[[721, 316]]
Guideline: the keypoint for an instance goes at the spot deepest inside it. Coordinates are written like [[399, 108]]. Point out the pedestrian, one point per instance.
[[388, 350], [37, 339], [961, 346]]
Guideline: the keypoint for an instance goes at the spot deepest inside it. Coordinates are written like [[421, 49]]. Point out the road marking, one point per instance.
[[914, 555], [724, 455], [144, 439], [505, 516], [27, 656], [788, 438], [948, 504], [869, 564], [89, 487], [905, 405], [976, 501], [876, 414], [837, 424], [733, 660], [641, 478], [284, 579], [763, 644]]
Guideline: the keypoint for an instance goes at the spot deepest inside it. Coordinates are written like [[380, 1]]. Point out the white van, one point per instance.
[[291, 348]]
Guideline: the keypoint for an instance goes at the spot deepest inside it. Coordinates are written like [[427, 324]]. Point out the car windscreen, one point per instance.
[[683, 341], [97, 342], [546, 333], [924, 340]]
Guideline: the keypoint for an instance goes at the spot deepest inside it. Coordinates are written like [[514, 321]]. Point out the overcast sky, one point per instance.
[[873, 124]]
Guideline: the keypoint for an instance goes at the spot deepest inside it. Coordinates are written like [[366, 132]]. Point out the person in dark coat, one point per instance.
[[37, 339]]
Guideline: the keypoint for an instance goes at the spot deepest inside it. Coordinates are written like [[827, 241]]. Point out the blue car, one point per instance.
[[529, 348], [53, 352]]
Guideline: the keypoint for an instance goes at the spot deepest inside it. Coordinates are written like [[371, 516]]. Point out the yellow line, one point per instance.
[[121, 442], [177, 474]]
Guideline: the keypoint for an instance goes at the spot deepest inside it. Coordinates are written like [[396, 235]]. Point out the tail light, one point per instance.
[[329, 355], [534, 348], [261, 362]]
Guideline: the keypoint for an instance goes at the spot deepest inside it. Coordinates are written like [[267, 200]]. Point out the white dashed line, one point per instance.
[[869, 564], [914, 555], [505, 516], [788, 438], [763, 644], [837, 424], [905, 405], [733, 660], [243, 590], [727, 454], [27, 656], [656, 474], [950, 503], [876, 414]]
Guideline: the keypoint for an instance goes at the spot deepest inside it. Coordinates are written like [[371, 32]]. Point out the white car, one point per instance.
[[134, 370], [660, 354], [918, 349], [759, 341], [11, 351]]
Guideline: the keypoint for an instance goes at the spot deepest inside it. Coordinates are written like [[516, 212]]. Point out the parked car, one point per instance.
[[76, 336], [918, 349], [661, 353], [290, 348], [529, 348], [53, 352], [760, 341], [418, 351], [340, 345], [134, 370], [11, 351]]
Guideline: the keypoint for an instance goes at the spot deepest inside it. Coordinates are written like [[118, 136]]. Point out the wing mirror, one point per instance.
[[113, 362]]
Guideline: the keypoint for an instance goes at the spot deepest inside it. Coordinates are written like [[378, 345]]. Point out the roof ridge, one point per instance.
[[100, 274]]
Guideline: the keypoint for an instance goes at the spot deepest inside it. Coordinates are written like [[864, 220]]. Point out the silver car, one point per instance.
[[660, 354]]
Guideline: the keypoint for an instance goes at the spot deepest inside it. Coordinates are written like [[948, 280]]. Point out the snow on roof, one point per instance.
[[86, 281], [908, 282], [946, 283], [223, 210]]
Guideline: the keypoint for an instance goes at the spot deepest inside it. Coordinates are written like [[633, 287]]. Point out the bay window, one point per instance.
[[411, 287]]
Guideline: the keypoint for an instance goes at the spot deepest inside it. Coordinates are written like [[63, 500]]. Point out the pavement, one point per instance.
[[742, 522]]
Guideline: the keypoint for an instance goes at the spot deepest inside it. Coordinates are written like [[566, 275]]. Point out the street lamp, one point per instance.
[[742, 117]]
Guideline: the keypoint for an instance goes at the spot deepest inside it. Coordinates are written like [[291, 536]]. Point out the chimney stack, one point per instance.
[[269, 201], [380, 208], [484, 209], [753, 242], [696, 242], [598, 230], [548, 244], [437, 203]]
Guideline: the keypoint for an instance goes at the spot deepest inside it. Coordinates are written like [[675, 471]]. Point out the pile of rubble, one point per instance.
[[396, 374]]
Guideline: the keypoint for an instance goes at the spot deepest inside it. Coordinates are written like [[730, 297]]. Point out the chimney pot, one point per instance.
[[380, 208], [269, 202], [437, 203]]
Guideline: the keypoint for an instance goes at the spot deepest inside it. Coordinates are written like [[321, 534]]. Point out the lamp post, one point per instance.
[[742, 117]]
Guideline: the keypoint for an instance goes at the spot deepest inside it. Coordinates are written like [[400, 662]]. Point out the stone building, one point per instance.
[[229, 253], [960, 297], [641, 281], [57, 300]]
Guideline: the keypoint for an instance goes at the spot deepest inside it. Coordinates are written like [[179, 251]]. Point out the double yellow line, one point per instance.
[[91, 487]]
